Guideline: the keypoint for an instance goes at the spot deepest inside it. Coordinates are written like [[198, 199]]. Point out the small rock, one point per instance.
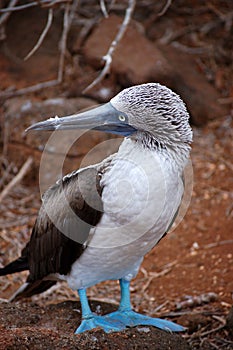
[[143, 329], [137, 60]]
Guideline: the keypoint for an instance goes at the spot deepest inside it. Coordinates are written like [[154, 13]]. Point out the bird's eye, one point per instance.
[[121, 118]]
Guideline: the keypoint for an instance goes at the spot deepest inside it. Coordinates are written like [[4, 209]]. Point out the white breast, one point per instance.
[[141, 194]]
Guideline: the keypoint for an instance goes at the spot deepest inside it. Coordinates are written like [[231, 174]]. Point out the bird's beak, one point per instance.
[[104, 118]]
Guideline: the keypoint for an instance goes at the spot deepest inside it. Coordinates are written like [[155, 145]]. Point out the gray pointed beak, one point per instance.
[[103, 118]]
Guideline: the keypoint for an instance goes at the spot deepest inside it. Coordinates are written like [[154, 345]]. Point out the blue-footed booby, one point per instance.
[[97, 223]]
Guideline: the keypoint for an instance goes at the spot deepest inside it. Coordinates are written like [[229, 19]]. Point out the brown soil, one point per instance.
[[52, 328], [178, 276]]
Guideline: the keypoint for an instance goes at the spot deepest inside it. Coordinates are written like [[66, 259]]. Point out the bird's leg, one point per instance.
[[91, 321], [129, 318], [125, 304], [86, 310]]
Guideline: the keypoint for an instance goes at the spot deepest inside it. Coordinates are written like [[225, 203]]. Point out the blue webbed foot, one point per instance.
[[94, 321], [91, 321], [126, 316], [122, 318], [131, 319]]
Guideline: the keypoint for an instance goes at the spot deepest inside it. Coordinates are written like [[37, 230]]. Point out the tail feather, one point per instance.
[[18, 265], [29, 289]]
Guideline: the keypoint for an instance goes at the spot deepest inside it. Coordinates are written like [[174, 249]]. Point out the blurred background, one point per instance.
[[186, 45]]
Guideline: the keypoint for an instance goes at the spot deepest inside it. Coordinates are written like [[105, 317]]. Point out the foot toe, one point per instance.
[[132, 319], [99, 321]]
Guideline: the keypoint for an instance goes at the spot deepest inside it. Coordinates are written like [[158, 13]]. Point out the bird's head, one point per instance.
[[155, 111], [149, 112]]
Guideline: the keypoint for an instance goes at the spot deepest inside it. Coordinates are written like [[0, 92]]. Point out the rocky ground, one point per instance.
[[188, 276]]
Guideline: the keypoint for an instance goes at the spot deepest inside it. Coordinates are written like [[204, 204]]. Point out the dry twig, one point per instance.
[[165, 8], [216, 244], [108, 57], [5, 173], [68, 17], [43, 3], [153, 275], [29, 89], [6, 133], [67, 20], [42, 36], [17, 178], [212, 331], [6, 15], [191, 50], [103, 8]]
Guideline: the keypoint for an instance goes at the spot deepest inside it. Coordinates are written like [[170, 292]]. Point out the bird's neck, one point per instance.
[[177, 153]]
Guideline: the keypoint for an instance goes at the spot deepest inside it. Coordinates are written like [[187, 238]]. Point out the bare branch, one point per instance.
[[211, 331], [103, 8], [43, 3], [42, 36], [191, 50], [67, 20], [166, 7], [108, 57], [66, 25], [17, 178], [52, 3], [217, 244], [11, 7], [29, 89], [225, 100], [5, 16]]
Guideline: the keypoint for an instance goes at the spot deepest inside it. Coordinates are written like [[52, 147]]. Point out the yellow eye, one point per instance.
[[121, 118]]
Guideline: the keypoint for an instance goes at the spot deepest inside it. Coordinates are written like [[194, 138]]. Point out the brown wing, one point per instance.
[[70, 208]]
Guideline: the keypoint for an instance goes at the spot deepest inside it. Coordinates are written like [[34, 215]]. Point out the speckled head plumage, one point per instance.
[[155, 109]]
